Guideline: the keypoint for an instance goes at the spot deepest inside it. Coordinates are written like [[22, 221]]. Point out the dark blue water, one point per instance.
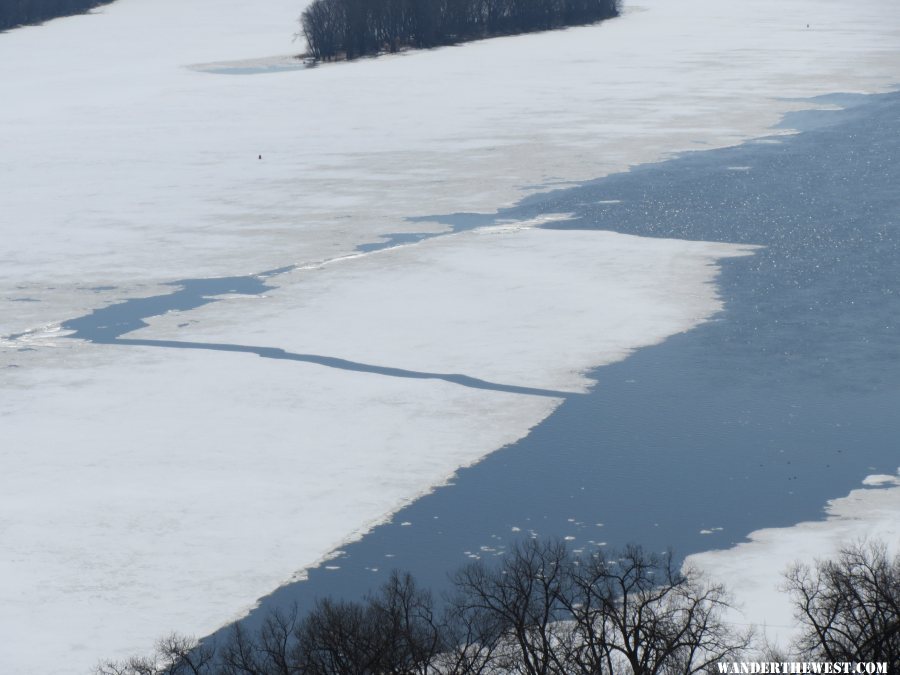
[[788, 398], [108, 324]]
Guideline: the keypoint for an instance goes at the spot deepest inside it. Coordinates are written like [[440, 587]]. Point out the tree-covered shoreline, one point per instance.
[[336, 29], [14, 13]]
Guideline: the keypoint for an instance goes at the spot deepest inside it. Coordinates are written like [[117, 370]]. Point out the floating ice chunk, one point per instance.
[[881, 479], [711, 530]]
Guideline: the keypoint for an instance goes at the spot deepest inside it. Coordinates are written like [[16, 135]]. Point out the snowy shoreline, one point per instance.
[[753, 570]]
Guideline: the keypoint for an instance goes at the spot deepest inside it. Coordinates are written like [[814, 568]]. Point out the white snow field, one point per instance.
[[115, 148], [144, 490]]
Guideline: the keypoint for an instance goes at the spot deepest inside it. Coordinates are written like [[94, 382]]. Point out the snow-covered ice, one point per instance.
[[153, 488], [149, 489], [753, 570], [116, 148]]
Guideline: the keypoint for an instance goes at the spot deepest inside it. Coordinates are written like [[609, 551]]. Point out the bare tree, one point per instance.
[[637, 612], [392, 633], [241, 654], [849, 608], [174, 655], [539, 611], [323, 25], [523, 598], [408, 634], [473, 639]]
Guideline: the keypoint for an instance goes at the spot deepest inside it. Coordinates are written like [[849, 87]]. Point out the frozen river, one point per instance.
[[753, 420], [233, 340]]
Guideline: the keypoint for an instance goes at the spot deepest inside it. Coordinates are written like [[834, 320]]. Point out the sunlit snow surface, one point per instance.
[[754, 569], [174, 477], [146, 488]]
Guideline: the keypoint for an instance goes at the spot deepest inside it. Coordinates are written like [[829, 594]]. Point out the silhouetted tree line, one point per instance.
[[352, 28], [20, 12], [543, 611]]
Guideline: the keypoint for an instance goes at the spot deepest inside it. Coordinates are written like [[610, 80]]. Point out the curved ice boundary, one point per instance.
[[195, 481]]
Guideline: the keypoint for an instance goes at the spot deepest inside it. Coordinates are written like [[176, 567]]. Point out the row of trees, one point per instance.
[[352, 28], [545, 612], [541, 612], [21, 12]]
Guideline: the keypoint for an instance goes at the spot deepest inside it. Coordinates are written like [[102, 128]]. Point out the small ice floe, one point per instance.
[[232, 296], [45, 336], [506, 226], [711, 530], [738, 168], [515, 529], [405, 523], [332, 567], [569, 537], [881, 479], [608, 201]]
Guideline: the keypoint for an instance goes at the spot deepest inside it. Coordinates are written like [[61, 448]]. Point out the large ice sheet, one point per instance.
[[122, 165], [152, 488]]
